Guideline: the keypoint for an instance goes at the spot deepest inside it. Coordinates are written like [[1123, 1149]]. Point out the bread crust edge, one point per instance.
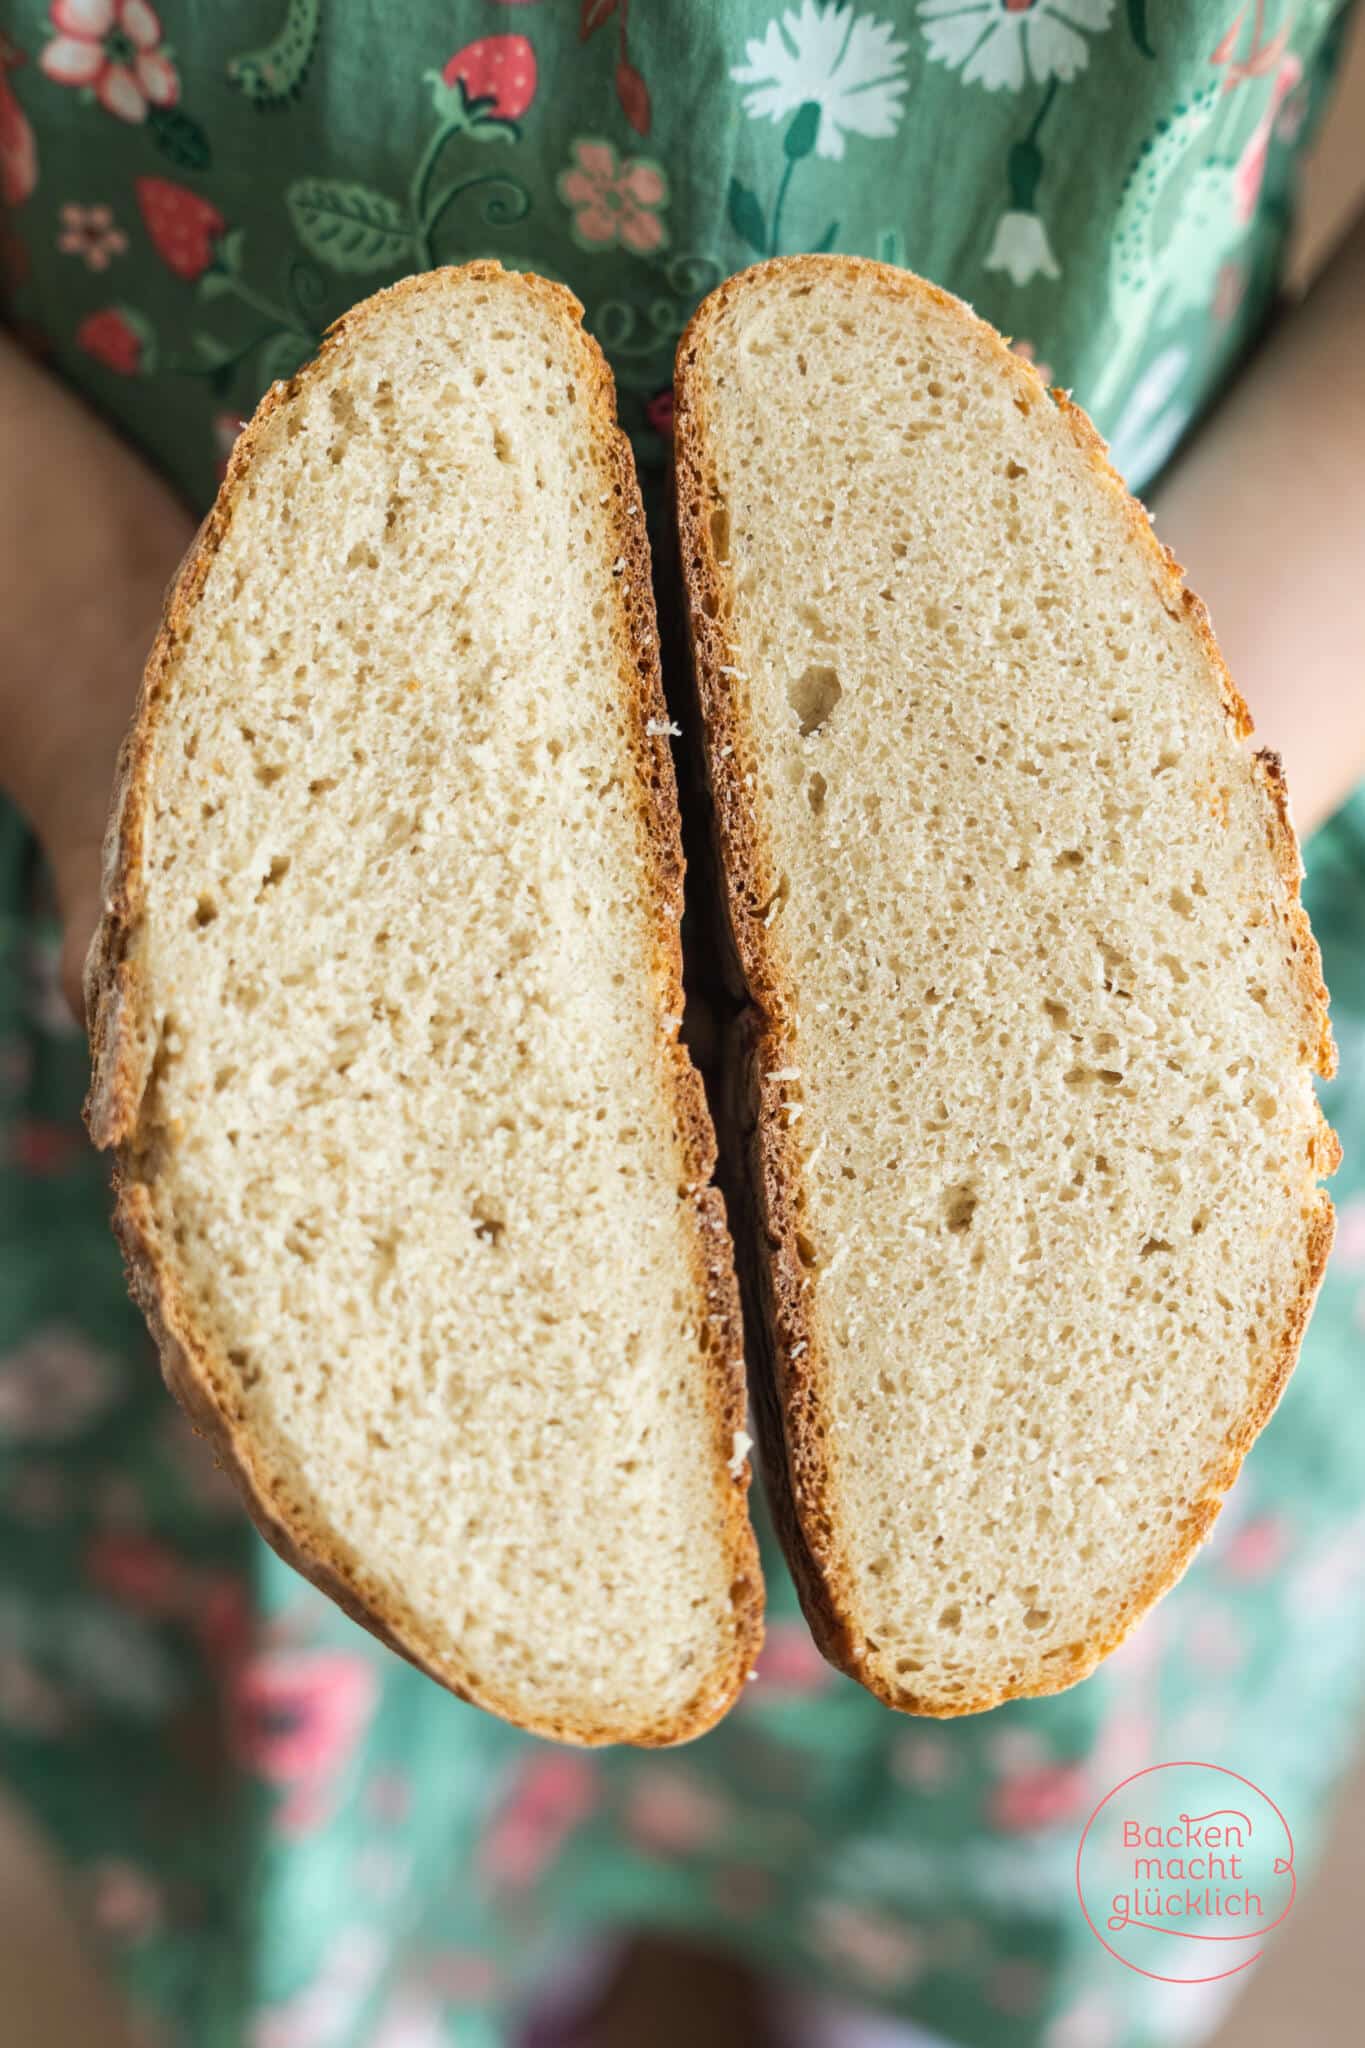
[[123, 1050], [787, 1393]]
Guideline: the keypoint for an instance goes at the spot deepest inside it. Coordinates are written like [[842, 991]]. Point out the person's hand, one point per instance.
[[90, 537]]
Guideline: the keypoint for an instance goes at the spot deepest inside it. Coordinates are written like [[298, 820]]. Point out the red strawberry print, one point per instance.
[[183, 227], [497, 77], [112, 339], [18, 152]]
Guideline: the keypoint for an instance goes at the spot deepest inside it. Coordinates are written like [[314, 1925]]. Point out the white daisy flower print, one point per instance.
[[847, 64], [1003, 44]]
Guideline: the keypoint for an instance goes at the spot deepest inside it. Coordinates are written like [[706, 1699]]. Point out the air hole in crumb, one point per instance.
[[1154, 1244], [815, 792], [489, 1221], [813, 697], [205, 910], [275, 873], [1037, 1617], [951, 1617], [959, 1207], [720, 533]]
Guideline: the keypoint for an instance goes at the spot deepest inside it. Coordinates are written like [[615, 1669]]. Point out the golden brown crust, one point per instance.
[[122, 1038], [783, 1316]]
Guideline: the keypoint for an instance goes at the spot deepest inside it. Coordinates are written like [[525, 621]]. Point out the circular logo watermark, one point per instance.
[[1183, 1870]]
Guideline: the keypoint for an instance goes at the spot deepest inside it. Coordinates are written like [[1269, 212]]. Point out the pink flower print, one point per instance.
[[51, 1388], [1254, 1550], [18, 151], [1029, 353], [89, 232], [551, 1795], [1250, 172], [124, 1902], [873, 1946], [1042, 1798], [670, 1814], [790, 1662], [298, 1716], [113, 46], [614, 201]]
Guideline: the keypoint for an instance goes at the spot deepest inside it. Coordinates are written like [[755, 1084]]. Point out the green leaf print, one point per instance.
[[348, 227], [178, 136], [273, 75], [799, 139], [1137, 23], [746, 217], [282, 355], [211, 354]]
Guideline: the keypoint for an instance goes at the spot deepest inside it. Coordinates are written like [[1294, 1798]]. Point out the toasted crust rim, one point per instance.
[[783, 1321], [122, 1055]]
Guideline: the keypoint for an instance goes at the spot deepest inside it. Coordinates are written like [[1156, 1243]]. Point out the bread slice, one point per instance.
[[414, 1173], [1035, 1146]]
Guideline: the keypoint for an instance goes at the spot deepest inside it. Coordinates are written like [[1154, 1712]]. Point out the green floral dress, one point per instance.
[[286, 1837]]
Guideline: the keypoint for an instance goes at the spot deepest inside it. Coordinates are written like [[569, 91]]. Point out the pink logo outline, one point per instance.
[[1282, 1866]]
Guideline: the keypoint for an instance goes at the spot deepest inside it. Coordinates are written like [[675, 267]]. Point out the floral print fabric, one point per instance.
[[284, 1836]]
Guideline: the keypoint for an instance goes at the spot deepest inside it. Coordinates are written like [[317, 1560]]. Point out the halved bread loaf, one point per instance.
[[1035, 1147], [414, 1172]]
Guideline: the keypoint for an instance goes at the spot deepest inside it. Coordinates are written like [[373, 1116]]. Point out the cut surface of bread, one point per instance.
[[414, 1171], [1035, 1147]]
